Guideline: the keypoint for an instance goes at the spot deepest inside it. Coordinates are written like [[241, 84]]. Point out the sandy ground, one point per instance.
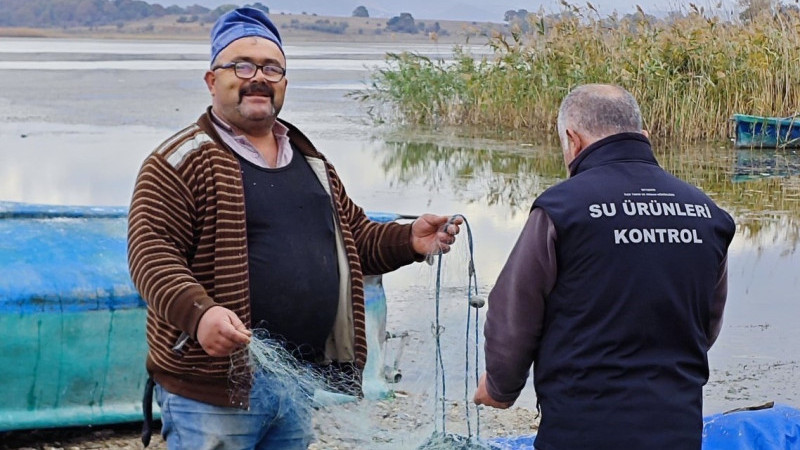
[[406, 422]]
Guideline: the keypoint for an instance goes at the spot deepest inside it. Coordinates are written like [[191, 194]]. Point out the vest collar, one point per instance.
[[615, 148]]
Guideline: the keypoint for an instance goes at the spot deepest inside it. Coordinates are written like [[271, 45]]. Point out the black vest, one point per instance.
[[291, 240], [622, 359]]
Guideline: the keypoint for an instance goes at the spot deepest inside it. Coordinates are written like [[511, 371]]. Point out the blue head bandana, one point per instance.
[[239, 23]]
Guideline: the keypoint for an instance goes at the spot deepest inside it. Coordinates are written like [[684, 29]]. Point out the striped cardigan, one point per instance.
[[187, 252]]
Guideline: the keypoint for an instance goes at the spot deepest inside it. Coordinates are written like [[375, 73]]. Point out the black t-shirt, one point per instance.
[[294, 280]]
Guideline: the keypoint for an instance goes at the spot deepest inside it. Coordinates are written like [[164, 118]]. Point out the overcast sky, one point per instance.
[[477, 10]]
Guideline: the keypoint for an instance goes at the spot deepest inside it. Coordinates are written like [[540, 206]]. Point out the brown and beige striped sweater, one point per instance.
[[187, 251]]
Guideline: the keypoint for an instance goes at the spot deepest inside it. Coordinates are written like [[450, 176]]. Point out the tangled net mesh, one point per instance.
[[307, 385], [311, 387], [450, 441]]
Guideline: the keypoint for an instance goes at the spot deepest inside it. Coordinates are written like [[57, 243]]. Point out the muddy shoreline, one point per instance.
[[403, 422]]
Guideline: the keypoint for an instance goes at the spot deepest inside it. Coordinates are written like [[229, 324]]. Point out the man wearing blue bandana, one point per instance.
[[239, 222]]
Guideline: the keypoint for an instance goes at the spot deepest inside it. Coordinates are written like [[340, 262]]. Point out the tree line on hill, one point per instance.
[[95, 13], [91, 13], [71, 13]]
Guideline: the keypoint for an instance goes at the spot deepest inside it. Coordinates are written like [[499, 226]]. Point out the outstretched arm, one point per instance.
[[383, 247], [515, 318]]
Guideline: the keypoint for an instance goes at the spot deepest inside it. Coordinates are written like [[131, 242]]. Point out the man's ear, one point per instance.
[[646, 134], [209, 79], [575, 143]]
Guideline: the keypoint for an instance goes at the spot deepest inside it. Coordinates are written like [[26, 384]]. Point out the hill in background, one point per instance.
[[312, 27], [457, 10], [137, 19]]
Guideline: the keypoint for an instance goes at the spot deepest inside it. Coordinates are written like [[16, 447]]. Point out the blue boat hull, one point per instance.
[[73, 324], [766, 132]]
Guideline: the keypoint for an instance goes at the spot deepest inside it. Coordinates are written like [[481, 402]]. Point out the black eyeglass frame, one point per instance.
[[274, 70]]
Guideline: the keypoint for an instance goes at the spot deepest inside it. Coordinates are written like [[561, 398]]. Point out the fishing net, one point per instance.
[[271, 356], [369, 424], [442, 440], [306, 385], [449, 441]]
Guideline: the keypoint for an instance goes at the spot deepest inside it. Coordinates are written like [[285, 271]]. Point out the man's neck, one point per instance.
[[263, 139], [257, 131], [267, 146]]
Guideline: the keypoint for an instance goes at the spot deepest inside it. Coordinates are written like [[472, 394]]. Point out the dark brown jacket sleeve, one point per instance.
[[718, 302], [516, 308]]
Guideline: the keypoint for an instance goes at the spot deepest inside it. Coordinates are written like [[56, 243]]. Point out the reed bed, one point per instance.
[[689, 73]]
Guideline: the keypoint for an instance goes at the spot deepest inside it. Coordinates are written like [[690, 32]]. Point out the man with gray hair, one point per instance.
[[614, 291], [598, 110]]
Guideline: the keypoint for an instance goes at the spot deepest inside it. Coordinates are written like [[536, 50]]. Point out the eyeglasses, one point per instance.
[[247, 70]]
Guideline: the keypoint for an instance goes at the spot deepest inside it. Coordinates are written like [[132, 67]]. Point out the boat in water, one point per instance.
[[766, 132]]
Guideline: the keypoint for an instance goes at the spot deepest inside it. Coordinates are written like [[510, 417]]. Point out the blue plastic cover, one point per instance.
[[776, 428], [513, 442]]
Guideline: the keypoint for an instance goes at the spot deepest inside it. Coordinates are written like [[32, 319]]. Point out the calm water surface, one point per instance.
[[78, 117]]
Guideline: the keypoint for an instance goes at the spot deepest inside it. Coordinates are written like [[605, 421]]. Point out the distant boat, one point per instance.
[[766, 132]]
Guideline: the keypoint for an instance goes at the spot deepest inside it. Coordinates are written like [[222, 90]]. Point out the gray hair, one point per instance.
[[598, 110]]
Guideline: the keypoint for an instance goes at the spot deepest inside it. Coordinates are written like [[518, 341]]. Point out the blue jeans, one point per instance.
[[274, 421]]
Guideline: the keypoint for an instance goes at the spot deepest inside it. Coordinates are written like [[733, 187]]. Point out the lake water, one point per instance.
[[77, 117]]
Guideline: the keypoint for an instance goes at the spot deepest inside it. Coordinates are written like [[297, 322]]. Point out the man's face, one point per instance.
[[249, 105]]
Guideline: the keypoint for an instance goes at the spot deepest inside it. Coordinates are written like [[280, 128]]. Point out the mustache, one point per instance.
[[257, 88]]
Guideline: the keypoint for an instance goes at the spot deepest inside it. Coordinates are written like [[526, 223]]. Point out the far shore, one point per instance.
[[292, 28]]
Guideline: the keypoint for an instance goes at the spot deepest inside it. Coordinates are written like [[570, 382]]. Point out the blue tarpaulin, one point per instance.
[[775, 428], [771, 428]]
